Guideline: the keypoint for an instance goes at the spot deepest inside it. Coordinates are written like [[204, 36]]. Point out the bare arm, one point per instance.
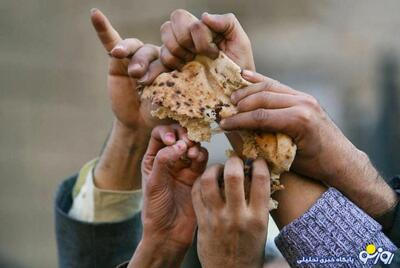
[[273, 107], [119, 164], [299, 195]]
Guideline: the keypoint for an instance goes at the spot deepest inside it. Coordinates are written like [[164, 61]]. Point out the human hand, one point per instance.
[[184, 36], [170, 166], [323, 152], [119, 165], [131, 63], [232, 232]]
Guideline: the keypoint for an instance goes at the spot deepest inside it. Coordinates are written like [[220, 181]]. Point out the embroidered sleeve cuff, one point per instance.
[[333, 228]]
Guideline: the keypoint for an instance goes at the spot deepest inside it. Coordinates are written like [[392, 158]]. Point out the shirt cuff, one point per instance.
[[332, 232], [391, 220], [91, 204]]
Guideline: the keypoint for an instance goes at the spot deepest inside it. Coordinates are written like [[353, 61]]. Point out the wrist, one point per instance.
[[126, 132], [154, 253], [163, 242], [359, 180], [119, 165]]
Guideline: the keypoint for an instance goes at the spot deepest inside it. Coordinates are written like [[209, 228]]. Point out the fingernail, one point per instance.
[[170, 137], [180, 145], [93, 10], [247, 74]]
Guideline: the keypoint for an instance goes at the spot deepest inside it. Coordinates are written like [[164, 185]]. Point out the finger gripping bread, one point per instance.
[[199, 94]]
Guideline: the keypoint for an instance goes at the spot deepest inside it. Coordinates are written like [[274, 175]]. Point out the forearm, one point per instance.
[[119, 164], [362, 184], [299, 195], [151, 255]]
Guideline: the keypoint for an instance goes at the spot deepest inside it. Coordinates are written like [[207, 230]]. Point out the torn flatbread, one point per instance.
[[199, 94]]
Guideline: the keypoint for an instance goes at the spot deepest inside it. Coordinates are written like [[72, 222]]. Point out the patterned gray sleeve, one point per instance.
[[332, 233]]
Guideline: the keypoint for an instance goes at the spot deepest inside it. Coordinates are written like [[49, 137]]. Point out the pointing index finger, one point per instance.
[[108, 36]]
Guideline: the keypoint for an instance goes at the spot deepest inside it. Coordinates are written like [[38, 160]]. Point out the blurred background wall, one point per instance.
[[55, 115]]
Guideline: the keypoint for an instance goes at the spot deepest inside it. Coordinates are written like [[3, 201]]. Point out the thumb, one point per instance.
[[226, 24], [165, 159], [108, 36]]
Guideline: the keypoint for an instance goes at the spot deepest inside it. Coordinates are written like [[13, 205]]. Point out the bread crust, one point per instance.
[[199, 94]]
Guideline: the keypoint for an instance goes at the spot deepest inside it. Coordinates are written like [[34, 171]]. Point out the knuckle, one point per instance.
[[264, 94], [264, 97], [152, 47], [175, 50], [268, 84], [231, 17], [311, 102], [237, 95], [120, 43], [166, 58], [216, 222], [156, 130], [133, 41], [233, 177], [259, 116], [184, 40], [150, 50], [206, 181], [132, 72], [142, 60], [231, 225], [137, 41], [259, 175], [258, 223], [235, 224], [305, 116]]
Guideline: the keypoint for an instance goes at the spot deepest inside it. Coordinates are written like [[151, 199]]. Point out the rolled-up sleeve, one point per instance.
[[91, 204]]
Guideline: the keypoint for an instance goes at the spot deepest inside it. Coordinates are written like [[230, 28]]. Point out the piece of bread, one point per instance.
[[199, 94]]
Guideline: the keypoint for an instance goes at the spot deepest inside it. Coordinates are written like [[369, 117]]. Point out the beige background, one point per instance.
[[54, 111]]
